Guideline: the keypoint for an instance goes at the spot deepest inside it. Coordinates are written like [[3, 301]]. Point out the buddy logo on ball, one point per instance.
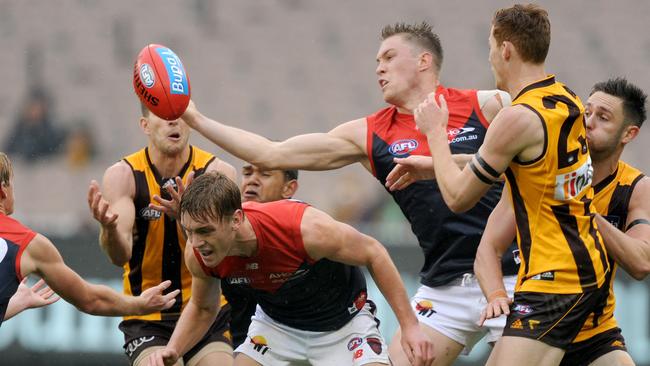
[[160, 81]]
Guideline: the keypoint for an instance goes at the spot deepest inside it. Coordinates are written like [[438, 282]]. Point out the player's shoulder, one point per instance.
[[517, 116], [120, 170]]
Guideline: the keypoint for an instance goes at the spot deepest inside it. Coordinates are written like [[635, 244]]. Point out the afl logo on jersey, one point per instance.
[[402, 147], [150, 214]]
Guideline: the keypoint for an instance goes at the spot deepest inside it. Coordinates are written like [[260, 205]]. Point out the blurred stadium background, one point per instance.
[[276, 67]]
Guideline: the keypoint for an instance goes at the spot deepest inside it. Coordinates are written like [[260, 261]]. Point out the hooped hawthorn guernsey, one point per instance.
[[611, 199], [449, 240], [288, 285], [158, 242], [560, 249], [14, 238]]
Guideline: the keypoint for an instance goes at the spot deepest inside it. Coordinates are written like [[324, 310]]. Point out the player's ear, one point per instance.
[[4, 188], [507, 49], [425, 61], [237, 219], [629, 134], [289, 188], [144, 124]]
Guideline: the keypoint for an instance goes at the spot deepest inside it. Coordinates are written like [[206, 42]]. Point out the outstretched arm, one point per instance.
[[197, 316], [631, 249], [325, 237], [341, 146], [113, 208], [42, 258], [30, 298], [515, 131], [497, 237]]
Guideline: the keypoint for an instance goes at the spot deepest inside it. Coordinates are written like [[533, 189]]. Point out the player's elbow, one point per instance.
[[640, 272], [459, 205]]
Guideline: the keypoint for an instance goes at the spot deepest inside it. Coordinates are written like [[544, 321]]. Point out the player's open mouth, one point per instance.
[[206, 251], [175, 136], [383, 83], [250, 194]]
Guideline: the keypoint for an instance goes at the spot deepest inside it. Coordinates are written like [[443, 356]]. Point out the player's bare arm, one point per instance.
[[414, 168], [170, 207], [325, 237], [36, 296], [417, 167], [113, 208], [515, 131], [341, 146], [42, 258], [197, 316], [631, 249], [499, 233]]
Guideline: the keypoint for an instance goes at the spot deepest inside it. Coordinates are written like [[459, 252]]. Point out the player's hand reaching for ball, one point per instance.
[[99, 207], [152, 299], [190, 115], [171, 207]]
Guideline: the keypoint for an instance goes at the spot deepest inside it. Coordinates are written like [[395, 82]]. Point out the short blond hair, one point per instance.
[[6, 170]]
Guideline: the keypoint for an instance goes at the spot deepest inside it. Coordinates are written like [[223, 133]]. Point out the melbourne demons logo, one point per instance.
[[402, 147], [572, 184]]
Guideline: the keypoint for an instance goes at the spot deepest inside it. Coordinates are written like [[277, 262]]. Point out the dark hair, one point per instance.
[[632, 96], [144, 110], [290, 174], [525, 26], [211, 196], [420, 34]]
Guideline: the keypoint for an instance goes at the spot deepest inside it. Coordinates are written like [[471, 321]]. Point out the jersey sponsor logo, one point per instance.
[[252, 266], [572, 184], [455, 135], [517, 324], [277, 277], [402, 147], [175, 71], [259, 344], [358, 303], [147, 75], [375, 344], [169, 183], [3, 249], [136, 343], [238, 280], [150, 214], [544, 276], [354, 343], [532, 324], [357, 354], [425, 308], [523, 309], [515, 256]]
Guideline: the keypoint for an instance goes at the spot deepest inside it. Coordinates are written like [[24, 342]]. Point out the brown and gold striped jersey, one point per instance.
[[560, 249]]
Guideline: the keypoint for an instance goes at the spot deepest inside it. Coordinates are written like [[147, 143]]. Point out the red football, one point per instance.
[[160, 81]]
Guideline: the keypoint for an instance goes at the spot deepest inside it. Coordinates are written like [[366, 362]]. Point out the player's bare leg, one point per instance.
[[244, 360], [614, 358], [516, 351], [215, 353], [445, 349]]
